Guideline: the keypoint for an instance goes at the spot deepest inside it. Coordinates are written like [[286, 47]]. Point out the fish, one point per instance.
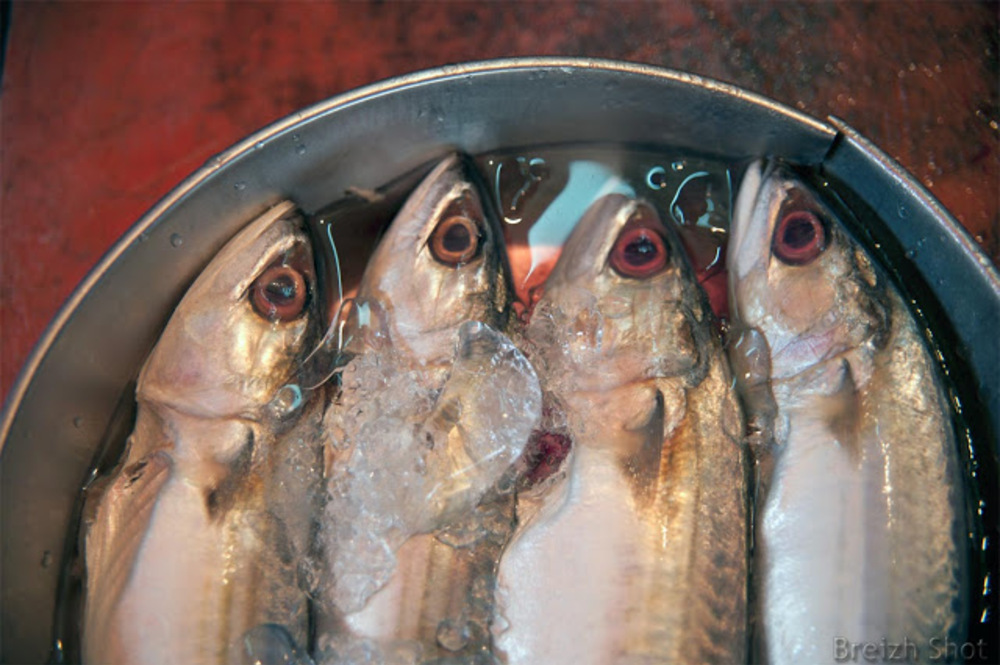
[[858, 522], [636, 550], [197, 538], [427, 322]]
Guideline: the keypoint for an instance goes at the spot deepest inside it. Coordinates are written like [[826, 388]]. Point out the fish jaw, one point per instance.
[[219, 357], [426, 298]]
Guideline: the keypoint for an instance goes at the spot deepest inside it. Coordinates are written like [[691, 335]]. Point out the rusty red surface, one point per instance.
[[107, 106]]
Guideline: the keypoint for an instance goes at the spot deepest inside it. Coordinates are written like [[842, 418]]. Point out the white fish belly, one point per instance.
[[822, 547], [564, 591], [172, 610]]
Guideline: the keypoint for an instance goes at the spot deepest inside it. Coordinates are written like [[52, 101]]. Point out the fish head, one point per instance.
[[237, 335], [440, 264], [796, 277], [620, 303]]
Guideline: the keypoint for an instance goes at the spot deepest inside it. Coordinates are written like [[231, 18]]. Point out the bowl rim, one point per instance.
[[22, 382]]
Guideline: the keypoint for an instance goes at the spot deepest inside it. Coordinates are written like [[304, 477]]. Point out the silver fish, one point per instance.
[[439, 275], [199, 535], [640, 554], [858, 502]]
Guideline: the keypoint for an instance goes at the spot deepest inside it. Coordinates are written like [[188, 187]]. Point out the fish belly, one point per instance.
[[172, 608], [822, 549], [564, 583]]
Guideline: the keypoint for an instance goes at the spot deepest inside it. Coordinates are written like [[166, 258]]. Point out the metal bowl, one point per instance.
[[57, 412]]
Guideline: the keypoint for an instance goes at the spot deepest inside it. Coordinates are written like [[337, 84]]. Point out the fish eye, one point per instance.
[[799, 238], [639, 252], [455, 241], [280, 293]]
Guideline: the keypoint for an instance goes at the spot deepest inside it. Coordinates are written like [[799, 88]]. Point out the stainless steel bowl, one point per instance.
[[57, 412]]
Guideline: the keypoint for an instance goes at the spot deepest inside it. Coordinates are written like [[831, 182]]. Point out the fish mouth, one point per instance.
[[543, 456]]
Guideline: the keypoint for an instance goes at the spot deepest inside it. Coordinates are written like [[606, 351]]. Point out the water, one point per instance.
[[540, 195]]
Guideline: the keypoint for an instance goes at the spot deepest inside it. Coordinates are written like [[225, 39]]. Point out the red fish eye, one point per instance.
[[455, 240], [279, 294], [799, 238], [639, 252]]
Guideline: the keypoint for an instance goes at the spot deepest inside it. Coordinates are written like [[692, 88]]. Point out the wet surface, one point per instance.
[[108, 106]]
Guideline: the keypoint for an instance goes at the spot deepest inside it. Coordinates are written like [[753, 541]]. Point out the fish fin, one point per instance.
[[114, 537]]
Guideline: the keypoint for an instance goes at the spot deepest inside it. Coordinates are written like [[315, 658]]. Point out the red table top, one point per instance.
[[106, 106]]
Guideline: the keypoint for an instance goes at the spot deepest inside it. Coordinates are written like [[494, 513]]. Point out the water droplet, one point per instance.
[[678, 165], [240, 186], [287, 400], [912, 66], [656, 178], [258, 145], [176, 239], [902, 211], [300, 149], [46, 559], [295, 137], [451, 635], [910, 253], [78, 422]]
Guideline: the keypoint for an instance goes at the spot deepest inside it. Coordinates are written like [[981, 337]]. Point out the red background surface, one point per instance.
[[107, 106]]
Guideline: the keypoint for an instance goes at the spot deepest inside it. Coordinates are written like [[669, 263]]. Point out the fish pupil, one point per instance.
[[640, 251], [281, 290], [799, 233], [457, 238]]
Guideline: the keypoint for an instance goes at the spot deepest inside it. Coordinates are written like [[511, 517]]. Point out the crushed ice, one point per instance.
[[413, 450]]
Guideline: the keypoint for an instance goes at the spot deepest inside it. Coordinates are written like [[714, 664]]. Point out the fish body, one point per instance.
[[640, 553], [437, 278], [198, 536], [858, 524]]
